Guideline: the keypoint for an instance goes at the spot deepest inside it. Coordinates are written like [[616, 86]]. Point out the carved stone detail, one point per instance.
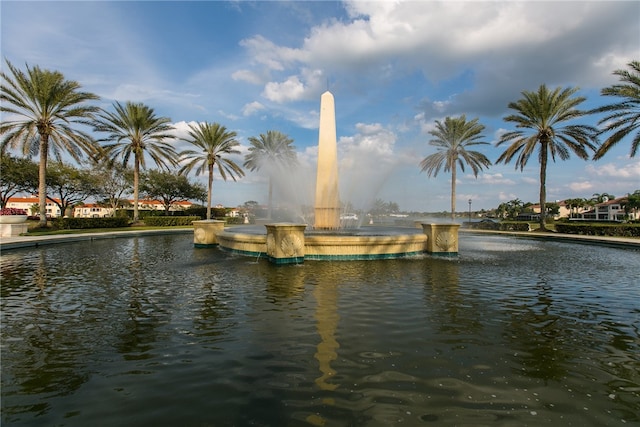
[[445, 240], [291, 245]]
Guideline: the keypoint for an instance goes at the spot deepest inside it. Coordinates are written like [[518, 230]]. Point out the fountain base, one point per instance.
[[287, 243]]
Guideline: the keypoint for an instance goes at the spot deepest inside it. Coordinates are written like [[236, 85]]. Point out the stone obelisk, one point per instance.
[[327, 205]]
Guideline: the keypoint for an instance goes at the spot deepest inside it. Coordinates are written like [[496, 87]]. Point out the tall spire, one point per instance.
[[327, 205]]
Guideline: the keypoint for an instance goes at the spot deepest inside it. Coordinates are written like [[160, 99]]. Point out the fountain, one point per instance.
[[289, 243]]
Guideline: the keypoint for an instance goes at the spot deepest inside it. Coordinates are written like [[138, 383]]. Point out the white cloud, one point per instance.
[[441, 106], [493, 179], [372, 141], [252, 108], [291, 89], [505, 197], [247, 76], [267, 53], [580, 187], [295, 88], [181, 129], [613, 170], [229, 116]]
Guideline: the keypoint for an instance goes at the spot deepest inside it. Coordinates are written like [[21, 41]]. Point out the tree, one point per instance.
[[452, 139], [68, 186], [541, 117], [273, 151], [133, 131], [601, 197], [170, 188], [19, 175], [380, 207], [114, 181], [574, 204], [511, 209], [502, 210], [553, 209], [633, 203], [45, 105], [214, 143], [623, 118]]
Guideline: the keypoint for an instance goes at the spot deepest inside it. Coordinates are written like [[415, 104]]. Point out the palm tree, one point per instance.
[[45, 105], [273, 150], [452, 138], [602, 197], [133, 130], [623, 118], [574, 204], [543, 114], [213, 143]]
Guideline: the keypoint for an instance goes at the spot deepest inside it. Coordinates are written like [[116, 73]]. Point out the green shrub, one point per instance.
[[84, 223], [235, 220], [198, 211], [514, 226], [595, 229], [170, 221]]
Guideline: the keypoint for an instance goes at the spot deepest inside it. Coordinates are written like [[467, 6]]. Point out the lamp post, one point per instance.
[[469, 213]]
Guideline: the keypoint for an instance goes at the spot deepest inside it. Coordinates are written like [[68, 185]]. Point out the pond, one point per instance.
[[149, 330]]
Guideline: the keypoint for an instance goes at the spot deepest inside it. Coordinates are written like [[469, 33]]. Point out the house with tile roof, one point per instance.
[[30, 204], [611, 210]]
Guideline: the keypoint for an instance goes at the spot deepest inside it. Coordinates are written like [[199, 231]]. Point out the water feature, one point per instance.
[[151, 331], [290, 243]]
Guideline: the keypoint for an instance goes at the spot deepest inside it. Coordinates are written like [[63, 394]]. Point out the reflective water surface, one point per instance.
[[149, 331]]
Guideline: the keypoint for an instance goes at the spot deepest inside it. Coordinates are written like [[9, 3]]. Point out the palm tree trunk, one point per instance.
[[136, 184], [543, 186], [209, 190], [453, 192], [42, 180]]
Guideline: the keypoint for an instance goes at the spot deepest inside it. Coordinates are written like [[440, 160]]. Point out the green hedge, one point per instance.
[[502, 226], [593, 229], [82, 223], [169, 221], [514, 226]]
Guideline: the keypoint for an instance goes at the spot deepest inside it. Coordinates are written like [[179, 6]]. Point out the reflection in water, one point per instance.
[[137, 336], [40, 274], [326, 295], [541, 334]]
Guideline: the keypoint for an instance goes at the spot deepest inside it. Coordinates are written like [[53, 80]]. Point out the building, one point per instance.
[[30, 205], [611, 210], [156, 205], [564, 210], [92, 210]]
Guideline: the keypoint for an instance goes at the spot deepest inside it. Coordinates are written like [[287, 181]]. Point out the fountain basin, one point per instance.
[[291, 243]]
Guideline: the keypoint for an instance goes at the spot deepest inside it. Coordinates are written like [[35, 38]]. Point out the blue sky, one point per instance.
[[393, 68]]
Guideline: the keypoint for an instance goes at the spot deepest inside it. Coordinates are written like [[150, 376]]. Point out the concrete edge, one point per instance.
[[19, 242], [618, 242]]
